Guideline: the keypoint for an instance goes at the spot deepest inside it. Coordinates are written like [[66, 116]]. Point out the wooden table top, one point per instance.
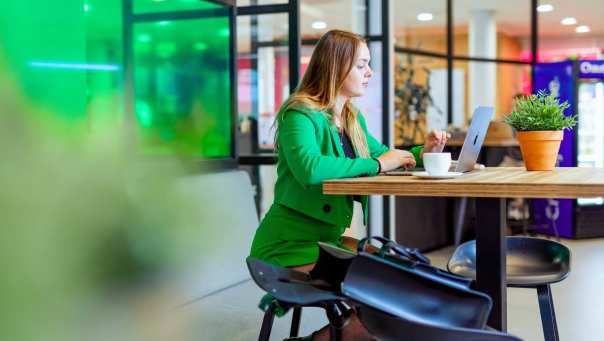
[[493, 182]]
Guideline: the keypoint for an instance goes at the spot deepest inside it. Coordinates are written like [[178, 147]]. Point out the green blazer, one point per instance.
[[310, 152]]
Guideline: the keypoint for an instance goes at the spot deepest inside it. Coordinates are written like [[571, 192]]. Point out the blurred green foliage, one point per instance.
[[83, 219]]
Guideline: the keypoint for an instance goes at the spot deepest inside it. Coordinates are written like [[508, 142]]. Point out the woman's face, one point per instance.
[[358, 79]]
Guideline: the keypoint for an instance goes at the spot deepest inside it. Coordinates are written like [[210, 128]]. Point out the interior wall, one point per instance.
[[507, 82]]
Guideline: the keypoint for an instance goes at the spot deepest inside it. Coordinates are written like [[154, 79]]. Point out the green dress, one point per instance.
[[289, 238], [310, 152]]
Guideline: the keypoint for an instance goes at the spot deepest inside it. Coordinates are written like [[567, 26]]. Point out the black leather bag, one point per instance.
[[401, 282], [412, 259]]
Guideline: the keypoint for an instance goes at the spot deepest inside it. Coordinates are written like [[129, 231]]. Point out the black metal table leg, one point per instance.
[[490, 257], [459, 220]]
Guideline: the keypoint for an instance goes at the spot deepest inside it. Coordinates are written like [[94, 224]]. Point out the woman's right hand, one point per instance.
[[396, 158]]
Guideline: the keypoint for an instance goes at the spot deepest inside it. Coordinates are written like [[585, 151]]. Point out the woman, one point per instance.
[[320, 135]]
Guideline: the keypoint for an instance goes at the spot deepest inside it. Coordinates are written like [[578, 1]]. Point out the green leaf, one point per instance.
[[539, 112]]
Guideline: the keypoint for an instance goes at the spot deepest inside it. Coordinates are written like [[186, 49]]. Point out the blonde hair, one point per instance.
[[330, 64]]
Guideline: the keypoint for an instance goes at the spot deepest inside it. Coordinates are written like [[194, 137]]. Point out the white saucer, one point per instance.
[[425, 175]]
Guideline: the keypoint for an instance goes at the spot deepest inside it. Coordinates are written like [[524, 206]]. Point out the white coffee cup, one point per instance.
[[437, 163]]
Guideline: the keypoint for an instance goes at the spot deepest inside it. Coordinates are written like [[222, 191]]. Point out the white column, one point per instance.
[[482, 42]]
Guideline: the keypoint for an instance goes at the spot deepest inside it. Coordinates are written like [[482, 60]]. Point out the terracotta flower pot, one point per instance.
[[540, 148]]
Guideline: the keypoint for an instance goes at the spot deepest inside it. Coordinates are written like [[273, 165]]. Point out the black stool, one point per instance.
[[531, 263], [294, 290]]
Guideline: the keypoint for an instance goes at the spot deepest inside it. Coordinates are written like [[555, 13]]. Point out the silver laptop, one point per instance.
[[471, 146]]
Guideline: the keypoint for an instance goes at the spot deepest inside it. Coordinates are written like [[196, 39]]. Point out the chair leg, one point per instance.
[[295, 328], [267, 324], [555, 227], [548, 316]]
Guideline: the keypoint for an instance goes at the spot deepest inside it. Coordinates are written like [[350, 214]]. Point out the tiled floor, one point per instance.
[[579, 303]]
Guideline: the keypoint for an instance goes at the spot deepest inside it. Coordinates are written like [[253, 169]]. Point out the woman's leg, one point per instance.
[[354, 330]]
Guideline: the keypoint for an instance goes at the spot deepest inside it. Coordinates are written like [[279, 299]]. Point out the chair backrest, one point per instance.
[[401, 292], [386, 327], [463, 260], [228, 218]]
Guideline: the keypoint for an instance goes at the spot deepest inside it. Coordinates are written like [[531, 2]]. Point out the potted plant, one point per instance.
[[539, 121]]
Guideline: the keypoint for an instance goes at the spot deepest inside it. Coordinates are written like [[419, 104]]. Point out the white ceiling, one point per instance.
[[512, 16]]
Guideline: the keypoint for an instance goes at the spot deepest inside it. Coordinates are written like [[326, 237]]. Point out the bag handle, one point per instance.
[[388, 245]]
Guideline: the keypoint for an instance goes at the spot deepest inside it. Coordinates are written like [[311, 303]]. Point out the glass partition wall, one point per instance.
[[453, 55], [449, 57], [180, 74], [151, 67], [162, 70]]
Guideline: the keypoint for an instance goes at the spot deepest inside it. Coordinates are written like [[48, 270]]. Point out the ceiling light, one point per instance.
[[425, 17], [582, 29], [569, 21], [319, 25], [545, 8], [74, 66]]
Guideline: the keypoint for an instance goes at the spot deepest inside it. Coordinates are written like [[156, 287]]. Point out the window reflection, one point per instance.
[[182, 86]]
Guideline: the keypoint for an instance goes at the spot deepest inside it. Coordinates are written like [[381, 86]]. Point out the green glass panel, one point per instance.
[[151, 6], [43, 46], [182, 86], [68, 61], [65, 59], [104, 51]]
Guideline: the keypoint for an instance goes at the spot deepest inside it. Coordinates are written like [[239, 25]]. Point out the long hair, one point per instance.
[[330, 64]]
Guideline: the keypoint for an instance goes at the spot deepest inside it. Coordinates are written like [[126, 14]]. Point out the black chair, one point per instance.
[[295, 290], [531, 263]]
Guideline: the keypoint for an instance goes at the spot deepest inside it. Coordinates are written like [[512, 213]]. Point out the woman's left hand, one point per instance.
[[435, 141]]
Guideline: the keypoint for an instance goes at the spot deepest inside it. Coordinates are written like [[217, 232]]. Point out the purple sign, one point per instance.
[[557, 79], [591, 69]]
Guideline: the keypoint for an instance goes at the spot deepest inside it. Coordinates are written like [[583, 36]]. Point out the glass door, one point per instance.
[[591, 130]]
